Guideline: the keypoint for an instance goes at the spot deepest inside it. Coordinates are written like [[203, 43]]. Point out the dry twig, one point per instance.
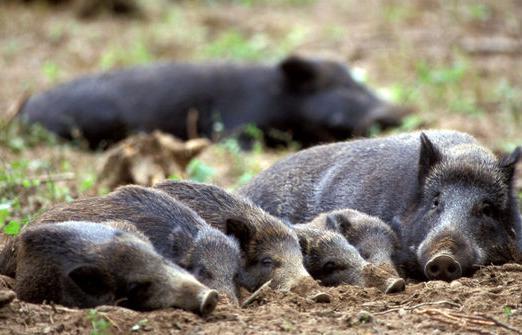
[[467, 321], [409, 308], [256, 294]]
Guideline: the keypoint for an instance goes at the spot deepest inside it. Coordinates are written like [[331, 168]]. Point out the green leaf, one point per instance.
[[12, 228], [5, 209]]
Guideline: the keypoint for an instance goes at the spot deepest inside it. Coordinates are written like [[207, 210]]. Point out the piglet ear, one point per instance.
[[428, 157], [303, 243], [300, 74], [507, 164], [92, 280], [242, 230], [338, 223]]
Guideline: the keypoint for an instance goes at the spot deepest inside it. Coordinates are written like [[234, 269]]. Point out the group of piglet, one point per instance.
[[432, 205], [179, 243]]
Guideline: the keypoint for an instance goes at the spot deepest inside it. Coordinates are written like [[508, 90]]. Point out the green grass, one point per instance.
[[137, 53], [233, 44], [100, 326]]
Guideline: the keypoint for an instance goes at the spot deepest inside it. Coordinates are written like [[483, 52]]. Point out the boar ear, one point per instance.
[[338, 223], [242, 230], [91, 280], [508, 163], [300, 74], [429, 155]]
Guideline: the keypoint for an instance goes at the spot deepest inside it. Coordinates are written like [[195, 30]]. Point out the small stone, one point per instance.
[[455, 284], [321, 298], [402, 312]]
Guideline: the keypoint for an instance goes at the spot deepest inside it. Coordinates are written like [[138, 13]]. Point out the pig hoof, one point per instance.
[[209, 302], [6, 296], [394, 285]]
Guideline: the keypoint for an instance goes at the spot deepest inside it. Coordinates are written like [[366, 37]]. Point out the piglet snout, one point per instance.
[[208, 301]]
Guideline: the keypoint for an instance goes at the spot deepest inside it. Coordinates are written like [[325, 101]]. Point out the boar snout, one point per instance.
[[207, 301], [443, 267]]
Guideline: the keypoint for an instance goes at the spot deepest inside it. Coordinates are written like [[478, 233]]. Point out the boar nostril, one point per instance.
[[433, 270], [443, 267]]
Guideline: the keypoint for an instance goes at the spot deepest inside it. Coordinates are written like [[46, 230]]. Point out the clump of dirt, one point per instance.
[[487, 303]]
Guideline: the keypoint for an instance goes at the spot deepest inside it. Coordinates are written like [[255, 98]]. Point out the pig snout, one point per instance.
[[383, 277], [207, 301], [394, 285], [193, 296], [443, 267], [288, 281]]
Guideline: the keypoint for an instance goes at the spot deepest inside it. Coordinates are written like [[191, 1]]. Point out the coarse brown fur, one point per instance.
[[270, 248]]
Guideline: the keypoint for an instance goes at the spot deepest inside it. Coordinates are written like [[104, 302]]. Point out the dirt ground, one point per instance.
[[488, 303], [456, 62]]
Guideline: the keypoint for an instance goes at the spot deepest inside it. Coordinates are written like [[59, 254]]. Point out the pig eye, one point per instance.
[[329, 267], [486, 209], [204, 273], [436, 201], [267, 261]]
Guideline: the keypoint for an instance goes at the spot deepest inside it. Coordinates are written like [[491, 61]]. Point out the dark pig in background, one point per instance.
[[85, 264], [451, 201], [175, 231], [270, 249], [315, 101]]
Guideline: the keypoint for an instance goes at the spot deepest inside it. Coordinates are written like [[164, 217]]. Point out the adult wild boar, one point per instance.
[[450, 200], [315, 101], [85, 264]]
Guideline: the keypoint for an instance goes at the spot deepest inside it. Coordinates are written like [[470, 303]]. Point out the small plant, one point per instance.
[[51, 71], [199, 171], [478, 12], [100, 326], [508, 312], [18, 136]]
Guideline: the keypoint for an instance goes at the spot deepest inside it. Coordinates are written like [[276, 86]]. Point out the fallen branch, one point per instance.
[[501, 324], [409, 308]]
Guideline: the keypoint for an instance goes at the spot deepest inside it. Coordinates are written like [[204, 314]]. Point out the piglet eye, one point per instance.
[[267, 261], [436, 201], [329, 266]]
